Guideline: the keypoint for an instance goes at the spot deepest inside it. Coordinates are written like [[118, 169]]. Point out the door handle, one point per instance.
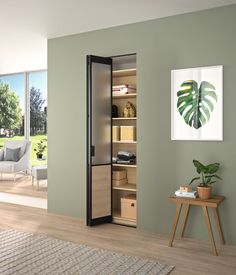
[[93, 151]]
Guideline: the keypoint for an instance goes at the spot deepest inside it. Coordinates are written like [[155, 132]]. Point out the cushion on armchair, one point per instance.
[[13, 144], [12, 154]]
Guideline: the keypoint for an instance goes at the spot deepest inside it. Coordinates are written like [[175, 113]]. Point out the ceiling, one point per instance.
[[25, 25]]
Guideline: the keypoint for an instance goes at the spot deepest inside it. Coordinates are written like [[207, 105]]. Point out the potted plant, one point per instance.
[[41, 146], [206, 179]]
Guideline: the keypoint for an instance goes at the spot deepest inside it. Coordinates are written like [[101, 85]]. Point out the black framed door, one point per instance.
[[99, 140]]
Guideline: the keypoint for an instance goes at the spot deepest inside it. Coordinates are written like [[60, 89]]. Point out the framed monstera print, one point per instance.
[[197, 103]]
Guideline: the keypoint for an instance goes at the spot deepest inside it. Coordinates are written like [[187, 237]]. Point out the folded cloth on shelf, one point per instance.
[[114, 159], [123, 89], [124, 155], [120, 161]]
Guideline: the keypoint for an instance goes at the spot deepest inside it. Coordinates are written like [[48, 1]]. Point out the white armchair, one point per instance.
[[22, 165]]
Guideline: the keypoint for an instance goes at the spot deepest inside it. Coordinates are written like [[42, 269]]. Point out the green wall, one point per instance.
[[195, 39]]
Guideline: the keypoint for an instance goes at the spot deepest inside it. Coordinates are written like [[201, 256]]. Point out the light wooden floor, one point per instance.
[[23, 186], [189, 256]]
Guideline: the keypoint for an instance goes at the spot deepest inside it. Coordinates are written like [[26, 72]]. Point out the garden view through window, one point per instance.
[[23, 111]]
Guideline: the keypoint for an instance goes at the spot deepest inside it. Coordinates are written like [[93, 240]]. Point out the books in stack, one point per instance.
[[192, 194], [123, 89]]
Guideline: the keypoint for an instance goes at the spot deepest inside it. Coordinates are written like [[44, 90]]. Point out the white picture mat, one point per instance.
[[213, 129]]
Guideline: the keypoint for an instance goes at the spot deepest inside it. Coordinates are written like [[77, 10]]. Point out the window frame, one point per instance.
[[27, 99]]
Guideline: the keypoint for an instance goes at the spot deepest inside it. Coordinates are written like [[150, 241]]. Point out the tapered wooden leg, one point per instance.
[[185, 220], [176, 220], [208, 223], [218, 224]]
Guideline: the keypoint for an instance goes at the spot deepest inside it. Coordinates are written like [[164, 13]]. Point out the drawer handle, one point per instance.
[[132, 204]]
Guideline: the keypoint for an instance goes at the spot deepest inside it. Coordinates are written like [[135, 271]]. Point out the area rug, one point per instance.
[[31, 254]]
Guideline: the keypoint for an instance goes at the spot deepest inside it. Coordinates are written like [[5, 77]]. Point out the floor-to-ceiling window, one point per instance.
[[23, 115], [12, 107], [38, 116], [23, 111]]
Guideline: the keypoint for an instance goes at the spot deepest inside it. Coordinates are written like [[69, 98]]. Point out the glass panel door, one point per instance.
[[101, 113], [99, 140]]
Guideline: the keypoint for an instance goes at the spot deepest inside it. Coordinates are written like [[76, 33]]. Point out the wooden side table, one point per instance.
[[213, 203]]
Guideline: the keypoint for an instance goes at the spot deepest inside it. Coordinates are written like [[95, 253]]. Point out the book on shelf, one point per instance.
[[123, 89], [192, 194]]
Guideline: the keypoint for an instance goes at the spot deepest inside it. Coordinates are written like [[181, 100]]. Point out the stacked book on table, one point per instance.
[[191, 194], [123, 89]]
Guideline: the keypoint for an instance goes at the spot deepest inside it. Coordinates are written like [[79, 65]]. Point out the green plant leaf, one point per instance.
[[213, 176], [197, 178], [200, 167], [206, 172], [196, 104], [212, 168], [208, 179]]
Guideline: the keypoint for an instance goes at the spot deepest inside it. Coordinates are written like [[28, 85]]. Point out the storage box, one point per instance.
[[185, 188], [128, 207], [115, 133], [128, 133], [119, 182], [119, 174]]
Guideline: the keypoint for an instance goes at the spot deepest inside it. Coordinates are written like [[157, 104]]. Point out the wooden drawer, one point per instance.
[[128, 133], [119, 174], [128, 207]]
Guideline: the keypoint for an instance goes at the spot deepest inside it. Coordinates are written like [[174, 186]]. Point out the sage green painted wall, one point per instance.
[[196, 39]]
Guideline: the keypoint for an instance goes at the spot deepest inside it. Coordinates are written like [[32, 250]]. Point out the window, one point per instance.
[[38, 117], [23, 110], [12, 107]]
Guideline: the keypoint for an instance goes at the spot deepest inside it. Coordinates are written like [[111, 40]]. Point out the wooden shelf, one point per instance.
[[127, 72], [124, 165], [124, 118], [124, 142], [133, 95], [124, 74], [123, 221], [126, 187]]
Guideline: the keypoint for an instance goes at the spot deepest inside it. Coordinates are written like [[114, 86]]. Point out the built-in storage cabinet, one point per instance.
[[111, 140], [124, 196]]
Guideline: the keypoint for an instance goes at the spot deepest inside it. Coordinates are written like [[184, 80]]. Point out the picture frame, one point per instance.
[[197, 103]]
